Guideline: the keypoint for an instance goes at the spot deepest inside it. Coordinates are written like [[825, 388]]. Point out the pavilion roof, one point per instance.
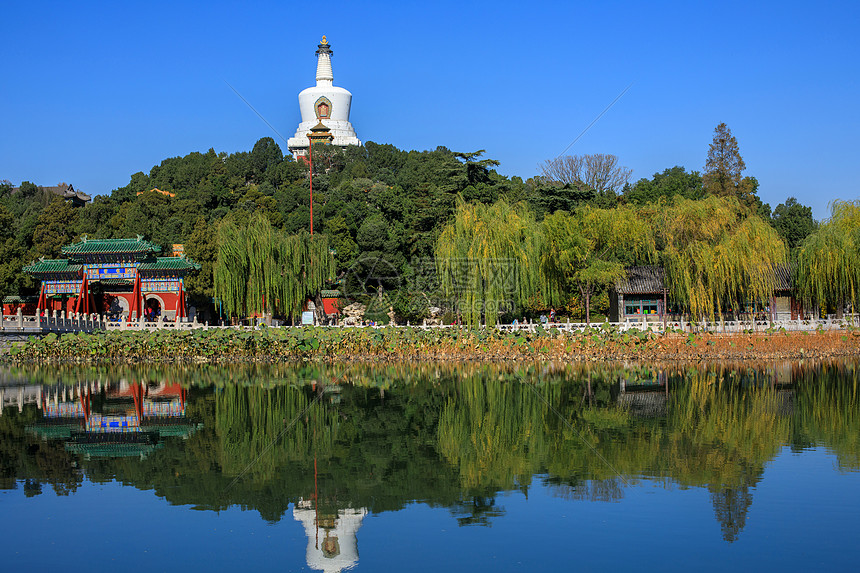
[[169, 264], [152, 264], [649, 279], [641, 280], [137, 247], [52, 266], [782, 275]]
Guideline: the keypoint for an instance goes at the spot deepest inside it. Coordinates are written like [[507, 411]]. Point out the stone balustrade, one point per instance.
[[73, 322], [60, 321]]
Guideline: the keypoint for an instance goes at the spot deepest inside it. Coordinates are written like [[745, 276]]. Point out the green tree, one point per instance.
[[55, 229], [12, 257], [674, 181], [793, 222], [477, 170], [341, 240], [260, 269], [202, 247], [724, 167], [589, 249], [547, 198]]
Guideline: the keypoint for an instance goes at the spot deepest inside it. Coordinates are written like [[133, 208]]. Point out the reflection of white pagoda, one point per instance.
[[332, 545]]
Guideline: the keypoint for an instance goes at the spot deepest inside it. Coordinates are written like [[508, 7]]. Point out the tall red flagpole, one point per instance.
[[311, 177]]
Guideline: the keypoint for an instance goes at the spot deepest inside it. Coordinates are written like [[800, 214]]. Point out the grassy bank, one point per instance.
[[416, 344]]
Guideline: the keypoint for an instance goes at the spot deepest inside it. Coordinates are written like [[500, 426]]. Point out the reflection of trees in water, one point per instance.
[[456, 435], [730, 507], [26, 457], [253, 425], [591, 490], [476, 510], [827, 412]]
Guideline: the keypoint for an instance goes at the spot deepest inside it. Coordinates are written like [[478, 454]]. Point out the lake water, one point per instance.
[[427, 468]]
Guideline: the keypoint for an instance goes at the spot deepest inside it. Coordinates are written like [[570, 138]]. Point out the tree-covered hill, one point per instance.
[[382, 208]]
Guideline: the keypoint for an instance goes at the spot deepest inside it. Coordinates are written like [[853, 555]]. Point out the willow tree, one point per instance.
[[487, 258], [260, 269], [717, 255], [828, 264], [589, 249]]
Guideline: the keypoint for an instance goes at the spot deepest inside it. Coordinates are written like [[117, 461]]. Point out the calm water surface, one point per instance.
[[423, 468]]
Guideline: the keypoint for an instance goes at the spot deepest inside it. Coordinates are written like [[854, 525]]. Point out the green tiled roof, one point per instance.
[[169, 264], [111, 246], [52, 266], [112, 450], [329, 293]]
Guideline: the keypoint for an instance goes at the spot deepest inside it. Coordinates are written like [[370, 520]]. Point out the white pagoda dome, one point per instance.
[[324, 104]]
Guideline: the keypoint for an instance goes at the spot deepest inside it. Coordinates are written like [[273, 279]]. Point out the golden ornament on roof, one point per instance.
[[324, 41]]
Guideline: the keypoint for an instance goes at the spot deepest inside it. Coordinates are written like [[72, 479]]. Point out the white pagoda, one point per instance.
[[324, 108]]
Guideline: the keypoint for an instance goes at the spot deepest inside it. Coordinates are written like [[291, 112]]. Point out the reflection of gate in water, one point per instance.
[[114, 419]]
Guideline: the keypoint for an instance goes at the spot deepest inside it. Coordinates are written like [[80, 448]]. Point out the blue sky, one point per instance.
[[93, 92]]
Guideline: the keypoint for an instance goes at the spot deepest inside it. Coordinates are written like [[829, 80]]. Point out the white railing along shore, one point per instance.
[[59, 322]]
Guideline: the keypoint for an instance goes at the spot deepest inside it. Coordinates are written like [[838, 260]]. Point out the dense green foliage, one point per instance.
[[383, 212], [589, 249]]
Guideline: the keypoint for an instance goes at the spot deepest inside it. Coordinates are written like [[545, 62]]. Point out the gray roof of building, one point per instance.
[[642, 280], [649, 279], [783, 277]]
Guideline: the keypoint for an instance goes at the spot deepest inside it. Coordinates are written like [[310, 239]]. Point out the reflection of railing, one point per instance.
[[18, 396]]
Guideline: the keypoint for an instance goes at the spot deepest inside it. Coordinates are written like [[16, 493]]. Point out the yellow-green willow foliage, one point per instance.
[[827, 410], [588, 250], [250, 423], [493, 432], [261, 269], [724, 423], [716, 255], [828, 265], [487, 257]]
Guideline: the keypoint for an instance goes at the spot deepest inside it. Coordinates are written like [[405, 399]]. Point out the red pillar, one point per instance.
[[136, 306], [40, 306], [137, 394], [180, 302]]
